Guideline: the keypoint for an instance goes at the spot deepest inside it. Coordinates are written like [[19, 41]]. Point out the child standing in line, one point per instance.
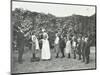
[[74, 42], [35, 46], [68, 47], [56, 43]]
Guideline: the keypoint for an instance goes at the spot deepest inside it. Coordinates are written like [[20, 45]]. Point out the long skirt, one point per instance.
[[45, 52]]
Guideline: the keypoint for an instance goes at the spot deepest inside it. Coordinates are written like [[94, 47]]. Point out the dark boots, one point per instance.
[[34, 58], [74, 54], [87, 59], [68, 55]]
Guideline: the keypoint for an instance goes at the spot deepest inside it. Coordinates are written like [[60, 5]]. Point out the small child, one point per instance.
[[74, 46], [35, 46], [56, 43], [68, 47]]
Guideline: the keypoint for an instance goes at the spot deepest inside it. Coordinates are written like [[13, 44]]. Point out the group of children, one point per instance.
[[69, 45], [66, 45], [74, 46]]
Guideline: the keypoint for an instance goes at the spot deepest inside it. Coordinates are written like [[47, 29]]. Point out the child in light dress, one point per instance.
[[68, 47]]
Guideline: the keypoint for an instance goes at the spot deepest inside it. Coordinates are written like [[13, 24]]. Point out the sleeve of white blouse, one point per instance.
[[32, 37], [37, 44], [47, 36]]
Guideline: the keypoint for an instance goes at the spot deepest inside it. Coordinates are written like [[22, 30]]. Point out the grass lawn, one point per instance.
[[55, 64]]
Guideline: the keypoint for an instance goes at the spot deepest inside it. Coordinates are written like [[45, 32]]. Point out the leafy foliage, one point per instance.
[[28, 21]]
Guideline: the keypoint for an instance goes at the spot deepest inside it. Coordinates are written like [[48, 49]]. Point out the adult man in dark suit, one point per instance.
[[20, 44]]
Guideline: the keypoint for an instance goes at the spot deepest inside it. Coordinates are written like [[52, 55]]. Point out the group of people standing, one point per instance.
[[43, 45], [73, 46], [66, 45]]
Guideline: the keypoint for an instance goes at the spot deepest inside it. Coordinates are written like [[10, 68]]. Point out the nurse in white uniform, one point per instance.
[[45, 53]]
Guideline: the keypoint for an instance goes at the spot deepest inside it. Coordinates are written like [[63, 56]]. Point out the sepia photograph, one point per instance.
[[52, 37]]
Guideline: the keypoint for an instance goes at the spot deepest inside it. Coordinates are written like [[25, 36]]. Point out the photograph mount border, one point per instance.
[[59, 4]]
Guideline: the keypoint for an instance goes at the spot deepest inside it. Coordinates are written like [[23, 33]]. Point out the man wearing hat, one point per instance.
[[20, 43]]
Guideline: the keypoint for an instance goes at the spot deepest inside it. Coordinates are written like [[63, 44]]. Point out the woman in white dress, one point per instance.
[[68, 47], [45, 52]]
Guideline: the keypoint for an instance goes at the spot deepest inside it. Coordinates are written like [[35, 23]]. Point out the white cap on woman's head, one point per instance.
[[43, 30], [21, 31]]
